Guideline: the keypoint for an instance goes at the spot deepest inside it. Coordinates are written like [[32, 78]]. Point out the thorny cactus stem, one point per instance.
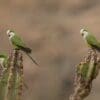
[[11, 83], [86, 72]]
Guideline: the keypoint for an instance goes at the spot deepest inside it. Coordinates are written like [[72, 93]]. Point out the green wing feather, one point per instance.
[[92, 41], [17, 41], [19, 44]]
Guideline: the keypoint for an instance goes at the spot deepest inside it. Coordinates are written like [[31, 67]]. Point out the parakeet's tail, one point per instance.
[[25, 49], [32, 59]]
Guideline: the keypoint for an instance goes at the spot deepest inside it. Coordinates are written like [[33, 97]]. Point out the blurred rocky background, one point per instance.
[[51, 28]]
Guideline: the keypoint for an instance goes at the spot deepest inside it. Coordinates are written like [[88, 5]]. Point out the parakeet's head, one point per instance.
[[10, 34], [84, 33]]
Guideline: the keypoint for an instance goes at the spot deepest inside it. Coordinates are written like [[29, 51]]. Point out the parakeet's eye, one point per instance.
[[9, 35], [82, 34]]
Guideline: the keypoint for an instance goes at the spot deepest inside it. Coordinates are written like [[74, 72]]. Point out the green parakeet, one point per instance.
[[90, 39], [17, 43]]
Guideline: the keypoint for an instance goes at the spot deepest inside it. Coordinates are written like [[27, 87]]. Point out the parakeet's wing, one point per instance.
[[93, 42], [17, 42]]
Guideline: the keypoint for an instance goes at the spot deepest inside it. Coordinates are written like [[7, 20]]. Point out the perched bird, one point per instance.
[[3, 61], [90, 39], [17, 43]]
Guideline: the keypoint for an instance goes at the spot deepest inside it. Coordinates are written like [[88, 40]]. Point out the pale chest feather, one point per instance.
[[87, 40]]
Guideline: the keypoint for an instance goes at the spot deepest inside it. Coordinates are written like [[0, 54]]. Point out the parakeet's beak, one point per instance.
[[82, 32], [8, 31]]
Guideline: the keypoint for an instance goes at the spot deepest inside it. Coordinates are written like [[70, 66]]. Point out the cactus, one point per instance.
[[86, 72], [11, 81]]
